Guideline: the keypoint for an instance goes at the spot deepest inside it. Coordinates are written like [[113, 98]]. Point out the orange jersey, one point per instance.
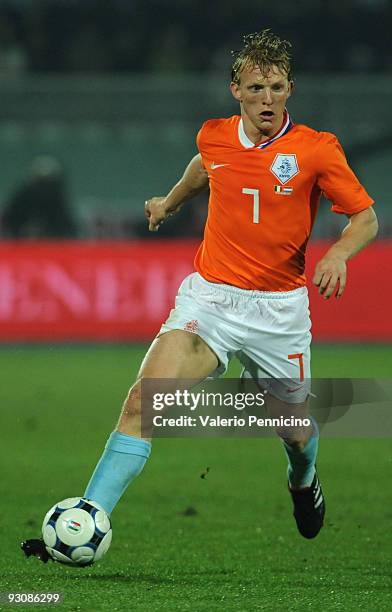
[[264, 199]]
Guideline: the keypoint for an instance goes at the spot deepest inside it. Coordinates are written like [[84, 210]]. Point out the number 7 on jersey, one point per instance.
[[256, 201]]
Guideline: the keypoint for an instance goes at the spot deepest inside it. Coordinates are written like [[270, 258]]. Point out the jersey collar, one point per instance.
[[248, 144]]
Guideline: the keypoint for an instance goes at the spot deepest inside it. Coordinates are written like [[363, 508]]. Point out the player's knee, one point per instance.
[[132, 404], [138, 395], [296, 437], [296, 445]]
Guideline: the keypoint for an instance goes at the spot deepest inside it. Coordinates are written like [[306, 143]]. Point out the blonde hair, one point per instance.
[[262, 50]]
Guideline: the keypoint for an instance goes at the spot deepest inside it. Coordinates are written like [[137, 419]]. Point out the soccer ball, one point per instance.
[[77, 531]]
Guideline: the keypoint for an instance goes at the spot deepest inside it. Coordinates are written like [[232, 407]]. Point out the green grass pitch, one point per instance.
[[239, 550]]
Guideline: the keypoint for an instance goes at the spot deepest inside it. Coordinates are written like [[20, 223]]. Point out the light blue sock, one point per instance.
[[122, 460], [301, 468]]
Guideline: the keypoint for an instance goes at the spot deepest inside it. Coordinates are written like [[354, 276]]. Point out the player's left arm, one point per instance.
[[331, 271]]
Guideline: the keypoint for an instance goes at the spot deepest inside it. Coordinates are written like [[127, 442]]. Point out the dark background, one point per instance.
[[114, 93], [65, 36]]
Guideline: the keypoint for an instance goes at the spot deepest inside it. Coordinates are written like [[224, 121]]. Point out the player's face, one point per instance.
[[262, 98]]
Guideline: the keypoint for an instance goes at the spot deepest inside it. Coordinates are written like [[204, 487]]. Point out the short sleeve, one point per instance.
[[336, 179], [200, 143], [199, 139], [202, 139]]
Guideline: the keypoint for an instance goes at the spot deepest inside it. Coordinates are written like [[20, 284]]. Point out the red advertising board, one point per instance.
[[122, 291], [364, 310]]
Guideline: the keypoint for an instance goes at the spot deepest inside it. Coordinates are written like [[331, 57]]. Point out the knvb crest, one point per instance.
[[284, 167]]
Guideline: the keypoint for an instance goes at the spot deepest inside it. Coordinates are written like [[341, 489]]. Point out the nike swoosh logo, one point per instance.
[[294, 390], [214, 166]]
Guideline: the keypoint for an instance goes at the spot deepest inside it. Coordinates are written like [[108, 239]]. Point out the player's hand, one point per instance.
[[330, 276], [155, 211]]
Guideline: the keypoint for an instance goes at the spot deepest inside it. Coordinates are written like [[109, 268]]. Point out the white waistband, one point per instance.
[[250, 293]]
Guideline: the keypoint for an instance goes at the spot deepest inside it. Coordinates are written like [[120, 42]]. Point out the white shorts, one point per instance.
[[269, 332]]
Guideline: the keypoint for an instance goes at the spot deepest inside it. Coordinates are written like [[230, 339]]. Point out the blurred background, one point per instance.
[[101, 102]]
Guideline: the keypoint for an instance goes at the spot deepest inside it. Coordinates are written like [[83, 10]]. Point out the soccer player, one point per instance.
[[247, 296]]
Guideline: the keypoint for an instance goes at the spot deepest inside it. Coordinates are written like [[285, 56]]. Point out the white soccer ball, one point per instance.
[[77, 531]]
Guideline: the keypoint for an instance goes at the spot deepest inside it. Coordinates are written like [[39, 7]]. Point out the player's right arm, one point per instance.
[[193, 182]]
